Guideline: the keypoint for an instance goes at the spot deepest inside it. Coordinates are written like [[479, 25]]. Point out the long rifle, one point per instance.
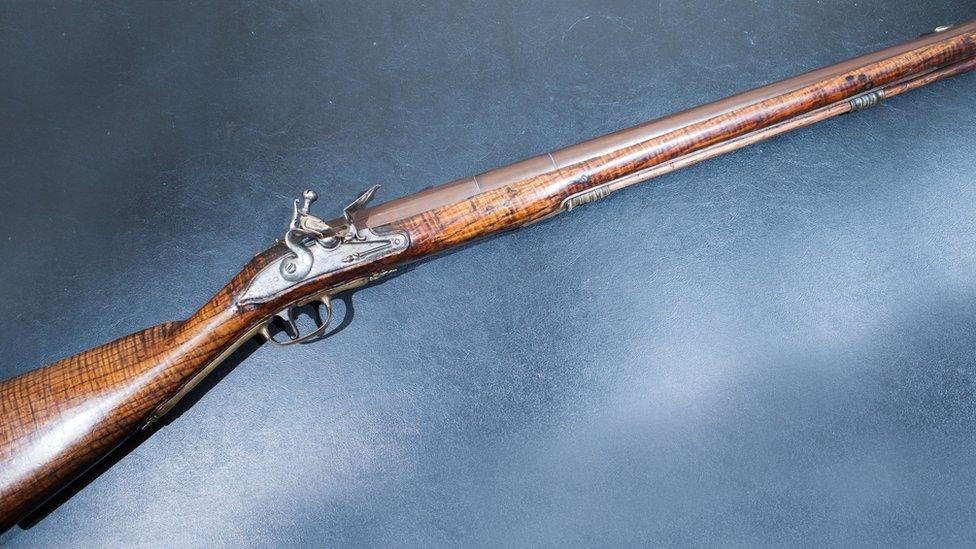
[[60, 419]]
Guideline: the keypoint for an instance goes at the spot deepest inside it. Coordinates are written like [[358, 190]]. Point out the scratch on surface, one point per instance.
[[619, 21], [571, 27]]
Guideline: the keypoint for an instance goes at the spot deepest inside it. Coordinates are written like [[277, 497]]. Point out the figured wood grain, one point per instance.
[[58, 420], [537, 197], [593, 149]]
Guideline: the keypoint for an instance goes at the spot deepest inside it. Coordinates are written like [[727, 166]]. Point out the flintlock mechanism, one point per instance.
[[316, 249]]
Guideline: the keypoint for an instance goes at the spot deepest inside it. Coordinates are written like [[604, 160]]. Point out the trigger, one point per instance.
[[290, 316]]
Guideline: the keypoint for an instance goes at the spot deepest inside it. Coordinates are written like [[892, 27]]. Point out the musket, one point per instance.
[[59, 420]]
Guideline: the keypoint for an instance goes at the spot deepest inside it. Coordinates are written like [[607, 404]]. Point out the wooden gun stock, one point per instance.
[[61, 419]]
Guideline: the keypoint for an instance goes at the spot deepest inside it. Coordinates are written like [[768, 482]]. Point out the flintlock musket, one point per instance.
[[60, 419]]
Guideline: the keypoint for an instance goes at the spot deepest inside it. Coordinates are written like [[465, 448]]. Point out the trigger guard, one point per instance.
[[290, 317]]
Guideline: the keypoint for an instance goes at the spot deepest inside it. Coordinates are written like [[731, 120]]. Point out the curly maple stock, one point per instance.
[[60, 419], [526, 192]]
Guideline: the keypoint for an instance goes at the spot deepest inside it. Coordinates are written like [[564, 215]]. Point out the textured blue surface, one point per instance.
[[778, 351]]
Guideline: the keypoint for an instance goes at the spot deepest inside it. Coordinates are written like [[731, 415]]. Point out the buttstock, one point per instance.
[[57, 421]]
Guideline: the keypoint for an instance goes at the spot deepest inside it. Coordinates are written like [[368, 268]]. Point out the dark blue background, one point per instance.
[[774, 347]]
